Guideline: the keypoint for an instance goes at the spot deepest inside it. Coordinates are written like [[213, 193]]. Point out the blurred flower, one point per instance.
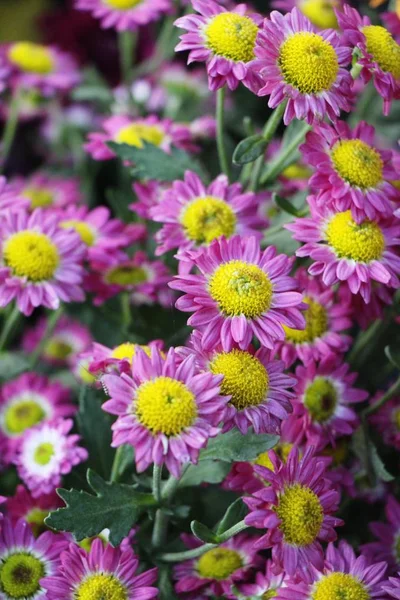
[[125, 15], [45, 191], [387, 421], [267, 584], [320, 12], [22, 505], [387, 546]]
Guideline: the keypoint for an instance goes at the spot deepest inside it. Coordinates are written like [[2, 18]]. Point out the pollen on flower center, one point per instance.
[[232, 36], [360, 242], [135, 134], [39, 197], [126, 276], [122, 4], [320, 399], [85, 232], [32, 255], [339, 586], [207, 218], [43, 453], [245, 377], [20, 574], [165, 405], [383, 48], [128, 350], [358, 163], [316, 324], [101, 586], [308, 62], [269, 594], [219, 563], [22, 415], [301, 515], [282, 449], [32, 58], [241, 288], [320, 12], [58, 348]]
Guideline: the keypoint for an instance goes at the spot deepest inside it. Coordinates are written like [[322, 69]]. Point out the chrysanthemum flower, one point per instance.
[[48, 191], [267, 584], [26, 401], [387, 421], [125, 15], [296, 509], [392, 23], [216, 571], [327, 317], [44, 68], [40, 263], [304, 66], [241, 291], [346, 251], [104, 572], [387, 547], [194, 214], [344, 576], [320, 12], [167, 410], [149, 194], [225, 40], [122, 129], [380, 53], [324, 394], [24, 560], [103, 359], [33, 510], [9, 198], [46, 453], [392, 587], [350, 171]]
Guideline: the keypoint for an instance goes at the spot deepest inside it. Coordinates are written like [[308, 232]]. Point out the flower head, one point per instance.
[[33, 510], [9, 198], [47, 191], [102, 359], [387, 421], [392, 587], [267, 583], [125, 15], [320, 12], [387, 546]]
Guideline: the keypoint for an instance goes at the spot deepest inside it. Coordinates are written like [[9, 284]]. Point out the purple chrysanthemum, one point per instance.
[[387, 547], [125, 15], [102, 359], [267, 583], [22, 505], [392, 587], [45, 191]]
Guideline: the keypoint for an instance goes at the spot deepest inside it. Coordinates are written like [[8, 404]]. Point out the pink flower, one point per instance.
[[267, 583], [102, 359], [321, 12], [387, 421], [149, 194], [388, 537], [45, 191], [125, 15], [10, 200], [392, 587], [22, 505]]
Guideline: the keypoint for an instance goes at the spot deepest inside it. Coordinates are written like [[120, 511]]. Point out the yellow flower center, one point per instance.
[[339, 452], [85, 232], [22, 415], [232, 36], [137, 133], [58, 348], [241, 288], [165, 405], [396, 418], [363, 243], [43, 453], [39, 197], [308, 63], [358, 163], [122, 4], [245, 377], [206, 219], [219, 563], [301, 515], [296, 171], [320, 399], [32, 58], [101, 586], [383, 48], [127, 351], [124, 276], [20, 574], [320, 12], [339, 586], [316, 324], [269, 594], [282, 450], [35, 518], [32, 255]]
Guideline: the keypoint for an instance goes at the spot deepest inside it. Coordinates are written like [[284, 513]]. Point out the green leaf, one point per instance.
[[393, 355], [234, 446], [368, 455], [203, 533], [153, 163], [114, 506], [249, 149], [12, 364], [380, 470], [235, 513], [287, 206], [207, 471]]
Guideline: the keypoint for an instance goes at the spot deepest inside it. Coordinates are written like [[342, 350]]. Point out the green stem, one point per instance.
[[281, 162], [157, 472], [229, 533], [10, 128], [363, 341], [160, 529], [126, 47], [126, 310], [50, 326], [392, 391], [222, 154], [115, 469], [9, 326]]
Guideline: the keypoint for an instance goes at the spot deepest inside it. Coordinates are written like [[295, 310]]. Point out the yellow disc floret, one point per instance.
[[316, 324], [122, 4], [137, 133], [241, 288], [245, 378], [165, 405], [101, 586], [35, 518], [32, 255], [362, 242], [308, 63], [39, 197], [232, 36], [58, 348], [339, 586], [43, 453], [282, 450], [20, 574], [85, 232], [320, 12], [269, 594], [127, 351], [207, 218], [383, 48], [301, 515], [358, 163], [124, 276], [219, 563], [32, 58], [21, 415], [396, 418], [296, 171], [320, 399]]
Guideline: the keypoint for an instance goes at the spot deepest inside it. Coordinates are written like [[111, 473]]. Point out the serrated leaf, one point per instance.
[[114, 506], [235, 513], [203, 533], [12, 364], [393, 355], [236, 447], [249, 149], [206, 471]]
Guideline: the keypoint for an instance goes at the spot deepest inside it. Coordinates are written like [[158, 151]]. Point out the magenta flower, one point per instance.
[[149, 194], [296, 510], [45, 191], [392, 22], [166, 410], [46, 453], [346, 251], [240, 291], [102, 359], [104, 570], [10, 200], [320, 12], [33, 510], [350, 171], [379, 53], [387, 421], [387, 546], [225, 40], [267, 583], [392, 587], [304, 67], [125, 15]]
